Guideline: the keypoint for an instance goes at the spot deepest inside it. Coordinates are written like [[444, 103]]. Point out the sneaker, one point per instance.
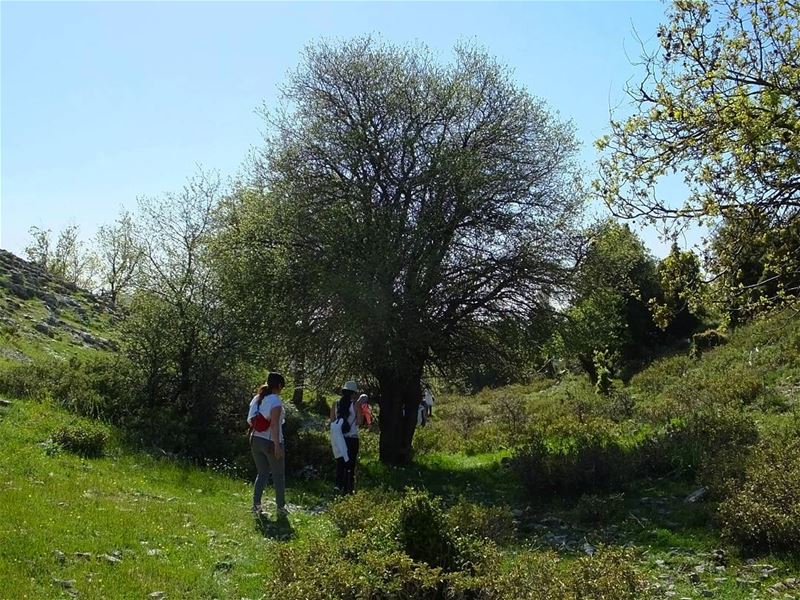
[[257, 510], [282, 512]]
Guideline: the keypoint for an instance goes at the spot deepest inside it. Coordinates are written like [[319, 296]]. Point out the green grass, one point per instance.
[[129, 524], [175, 528]]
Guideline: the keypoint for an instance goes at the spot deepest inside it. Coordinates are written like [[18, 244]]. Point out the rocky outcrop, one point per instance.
[[26, 288]]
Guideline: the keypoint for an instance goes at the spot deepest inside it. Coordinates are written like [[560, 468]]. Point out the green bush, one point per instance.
[[87, 440], [762, 511], [493, 523], [27, 379], [652, 380], [365, 510], [594, 509], [705, 340], [423, 533], [592, 461], [486, 437], [309, 447], [606, 575], [683, 446]]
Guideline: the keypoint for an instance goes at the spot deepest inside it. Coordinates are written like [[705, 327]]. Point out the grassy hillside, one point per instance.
[[43, 316], [129, 524]]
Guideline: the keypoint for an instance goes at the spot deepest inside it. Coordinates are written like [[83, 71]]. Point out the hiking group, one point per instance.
[[350, 412]]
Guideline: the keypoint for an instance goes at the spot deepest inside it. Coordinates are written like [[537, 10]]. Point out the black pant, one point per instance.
[[346, 471]]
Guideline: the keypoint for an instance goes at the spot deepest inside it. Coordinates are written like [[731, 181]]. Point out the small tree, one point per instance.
[[119, 256], [180, 337], [683, 288], [68, 260], [614, 282]]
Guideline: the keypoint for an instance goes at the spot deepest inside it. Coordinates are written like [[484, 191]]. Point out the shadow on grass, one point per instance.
[[479, 480], [279, 529]]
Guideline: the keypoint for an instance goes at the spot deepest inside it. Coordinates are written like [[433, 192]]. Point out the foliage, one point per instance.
[[613, 285], [717, 103], [493, 523], [417, 231], [683, 293], [762, 510], [706, 340], [182, 342], [589, 460], [85, 439], [754, 259], [683, 446], [119, 257], [68, 260], [423, 533]]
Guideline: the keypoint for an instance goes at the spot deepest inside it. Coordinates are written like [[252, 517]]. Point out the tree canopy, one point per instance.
[[421, 204], [719, 102]]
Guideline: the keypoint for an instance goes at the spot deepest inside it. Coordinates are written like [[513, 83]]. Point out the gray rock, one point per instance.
[[111, 559], [696, 495]]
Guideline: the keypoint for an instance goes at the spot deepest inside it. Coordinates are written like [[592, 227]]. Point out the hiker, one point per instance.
[[428, 400], [346, 415], [266, 417], [366, 410]]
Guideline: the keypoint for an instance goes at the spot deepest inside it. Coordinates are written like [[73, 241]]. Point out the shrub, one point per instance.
[[493, 523], [423, 533], [653, 379], [365, 510], [682, 446], [27, 379], [87, 440], [762, 511], [705, 340], [540, 576], [309, 448], [486, 437], [595, 509], [591, 461]]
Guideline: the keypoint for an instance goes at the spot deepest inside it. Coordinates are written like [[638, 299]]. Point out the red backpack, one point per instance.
[[260, 422]]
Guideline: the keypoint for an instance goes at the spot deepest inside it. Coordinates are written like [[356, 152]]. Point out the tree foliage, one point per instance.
[[181, 339], [683, 288], [755, 264], [424, 205], [68, 258], [614, 283], [119, 257], [719, 102]]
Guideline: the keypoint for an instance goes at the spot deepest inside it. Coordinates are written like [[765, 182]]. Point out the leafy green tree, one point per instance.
[[68, 259], [614, 282], [182, 340], [755, 264], [424, 203], [679, 312], [718, 103]]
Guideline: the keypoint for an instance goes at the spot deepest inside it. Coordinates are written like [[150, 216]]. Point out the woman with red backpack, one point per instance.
[[266, 417]]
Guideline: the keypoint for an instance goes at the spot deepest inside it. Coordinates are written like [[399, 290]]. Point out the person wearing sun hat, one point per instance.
[[351, 418]]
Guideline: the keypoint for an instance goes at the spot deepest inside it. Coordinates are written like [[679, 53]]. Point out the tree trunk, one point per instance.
[[299, 383], [400, 398]]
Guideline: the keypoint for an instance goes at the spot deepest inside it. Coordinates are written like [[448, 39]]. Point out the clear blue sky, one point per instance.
[[104, 102]]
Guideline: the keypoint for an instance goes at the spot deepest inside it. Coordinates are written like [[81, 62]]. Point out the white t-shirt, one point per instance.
[[267, 404], [351, 418]]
